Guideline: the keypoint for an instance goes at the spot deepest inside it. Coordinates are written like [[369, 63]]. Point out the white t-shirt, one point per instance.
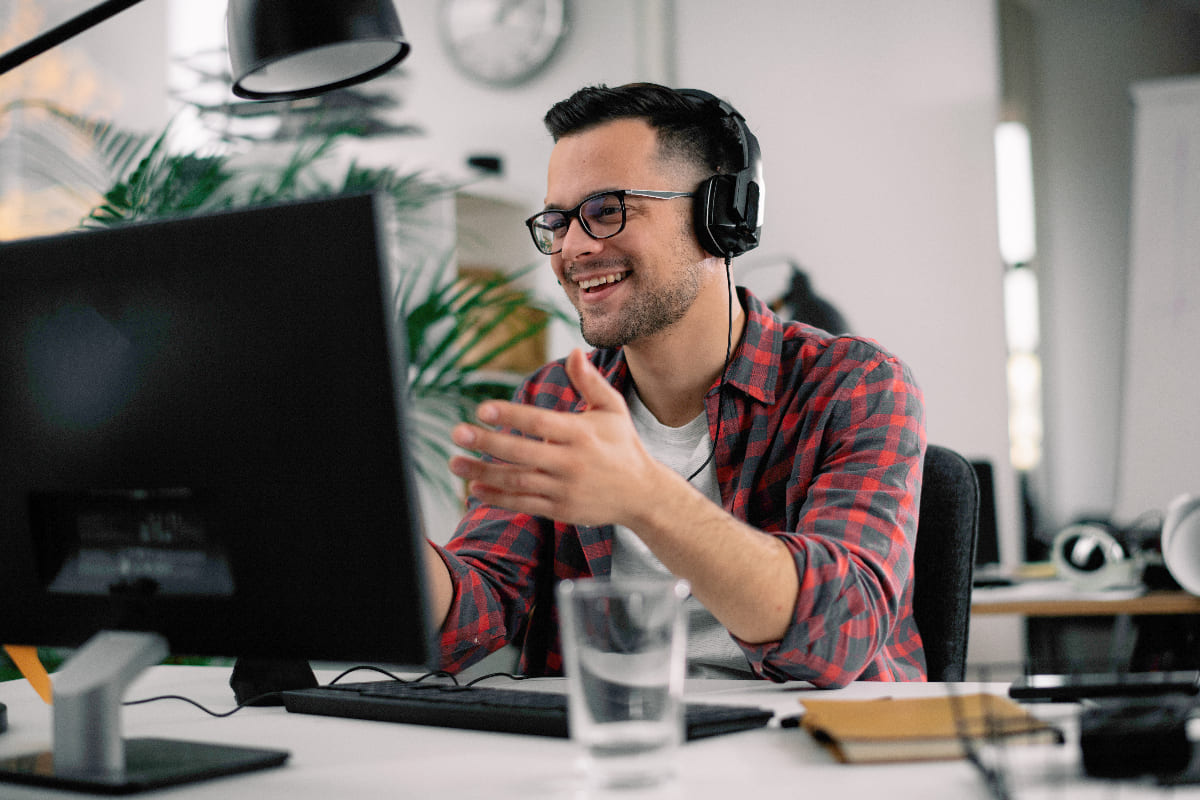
[[711, 651]]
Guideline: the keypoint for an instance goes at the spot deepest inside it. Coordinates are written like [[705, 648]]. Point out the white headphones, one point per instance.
[[1181, 541], [1090, 557]]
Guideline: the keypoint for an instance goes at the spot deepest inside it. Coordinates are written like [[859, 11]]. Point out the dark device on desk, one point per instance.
[[1078, 686], [1124, 737], [204, 451], [488, 708]]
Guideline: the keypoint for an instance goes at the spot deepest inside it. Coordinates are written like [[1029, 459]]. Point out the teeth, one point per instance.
[[591, 283]]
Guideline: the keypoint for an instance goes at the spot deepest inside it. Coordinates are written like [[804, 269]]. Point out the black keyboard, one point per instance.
[[488, 708]]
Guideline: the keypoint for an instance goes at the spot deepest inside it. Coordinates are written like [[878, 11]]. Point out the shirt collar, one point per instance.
[[756, 359], [755, 363]]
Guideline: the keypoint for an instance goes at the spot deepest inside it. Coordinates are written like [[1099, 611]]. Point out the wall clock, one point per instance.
[[502, 42]]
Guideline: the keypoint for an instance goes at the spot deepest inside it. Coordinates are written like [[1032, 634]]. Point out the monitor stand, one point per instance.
[[90, 755]]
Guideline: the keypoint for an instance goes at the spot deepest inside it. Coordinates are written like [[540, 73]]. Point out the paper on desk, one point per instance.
[[1050, 590]]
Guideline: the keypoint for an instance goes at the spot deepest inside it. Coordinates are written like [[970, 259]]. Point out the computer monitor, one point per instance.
[[203, 448], [987, 547]]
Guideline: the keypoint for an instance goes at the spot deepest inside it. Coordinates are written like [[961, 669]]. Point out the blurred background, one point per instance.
[[954, 177]]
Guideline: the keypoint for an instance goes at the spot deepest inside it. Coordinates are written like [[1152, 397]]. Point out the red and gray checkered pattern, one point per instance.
[[821, 444]]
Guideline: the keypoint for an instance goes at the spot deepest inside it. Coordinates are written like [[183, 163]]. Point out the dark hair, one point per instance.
[[686, 129]]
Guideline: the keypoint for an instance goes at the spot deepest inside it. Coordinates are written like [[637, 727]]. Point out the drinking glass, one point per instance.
[[624, 651]]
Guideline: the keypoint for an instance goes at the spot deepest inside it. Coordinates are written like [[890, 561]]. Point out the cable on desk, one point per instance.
[[511, 676], [370, 668], [441, 673], [206, 710]]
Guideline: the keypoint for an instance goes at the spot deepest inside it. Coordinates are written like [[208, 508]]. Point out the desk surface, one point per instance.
[[351, 759], [1055, 598]]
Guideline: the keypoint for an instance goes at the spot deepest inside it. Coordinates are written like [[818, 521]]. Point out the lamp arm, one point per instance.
[[57, 35]]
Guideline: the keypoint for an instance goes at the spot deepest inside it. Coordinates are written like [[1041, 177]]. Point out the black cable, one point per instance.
[[441, 673], [208, 711], [508, 675], [728, 353], [261, 697]]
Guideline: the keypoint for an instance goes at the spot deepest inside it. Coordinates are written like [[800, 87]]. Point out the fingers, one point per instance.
[[504, 446], [534, 505], [508, 478], [545, 424], [522, 489], [547, 462], [587, 380]]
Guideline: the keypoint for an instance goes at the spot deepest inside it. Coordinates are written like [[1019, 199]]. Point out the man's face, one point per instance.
[[645, 278]]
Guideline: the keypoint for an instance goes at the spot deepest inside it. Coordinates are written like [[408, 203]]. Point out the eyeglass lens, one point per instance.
[[602, 216]]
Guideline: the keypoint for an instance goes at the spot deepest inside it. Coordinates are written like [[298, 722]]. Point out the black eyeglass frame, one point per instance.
[[574, 213]]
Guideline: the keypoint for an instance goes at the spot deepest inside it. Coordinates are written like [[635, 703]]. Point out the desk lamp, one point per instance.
[[278, 49]]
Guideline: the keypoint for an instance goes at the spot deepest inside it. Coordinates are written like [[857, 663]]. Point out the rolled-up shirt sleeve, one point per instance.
[[851, 513]]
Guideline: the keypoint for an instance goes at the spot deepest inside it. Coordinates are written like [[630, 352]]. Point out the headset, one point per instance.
[[1181, 541], [1095, 555], [728, 207]]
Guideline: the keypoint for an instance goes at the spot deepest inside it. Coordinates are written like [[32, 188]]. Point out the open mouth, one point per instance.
[[601, 281]]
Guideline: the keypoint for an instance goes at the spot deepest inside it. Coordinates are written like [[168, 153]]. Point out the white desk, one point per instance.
[[337, 758]]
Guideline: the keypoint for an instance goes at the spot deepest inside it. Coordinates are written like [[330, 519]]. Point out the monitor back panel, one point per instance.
[[202, 435]]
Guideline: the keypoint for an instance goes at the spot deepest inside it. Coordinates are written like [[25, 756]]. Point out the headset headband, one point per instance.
[[729, 206]]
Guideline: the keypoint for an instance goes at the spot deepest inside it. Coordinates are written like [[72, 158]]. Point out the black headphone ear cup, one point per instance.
[[704, 200], [727, 225]]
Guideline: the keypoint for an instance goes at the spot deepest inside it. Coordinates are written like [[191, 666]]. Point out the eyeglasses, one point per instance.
[[601, 215]]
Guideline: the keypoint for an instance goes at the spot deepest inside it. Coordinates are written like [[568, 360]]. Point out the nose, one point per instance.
[[577, 242]]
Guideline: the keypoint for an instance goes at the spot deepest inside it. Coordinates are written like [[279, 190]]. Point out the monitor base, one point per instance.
[[149, 764]]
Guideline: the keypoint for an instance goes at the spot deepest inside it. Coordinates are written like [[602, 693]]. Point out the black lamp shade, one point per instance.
[[288, 49]]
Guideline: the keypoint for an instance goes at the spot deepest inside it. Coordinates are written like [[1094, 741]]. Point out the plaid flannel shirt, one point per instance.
[[821, 444]]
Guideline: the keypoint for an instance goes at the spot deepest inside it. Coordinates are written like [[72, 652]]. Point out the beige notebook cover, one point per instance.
[[920, 729]]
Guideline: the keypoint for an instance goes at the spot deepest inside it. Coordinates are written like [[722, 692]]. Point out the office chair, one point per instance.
[[944, 561]]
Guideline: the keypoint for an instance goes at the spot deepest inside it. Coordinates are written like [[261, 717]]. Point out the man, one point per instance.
[[774, 467]]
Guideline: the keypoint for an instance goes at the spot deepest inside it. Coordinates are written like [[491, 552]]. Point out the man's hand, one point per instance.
[[591, 469], [586, 469]]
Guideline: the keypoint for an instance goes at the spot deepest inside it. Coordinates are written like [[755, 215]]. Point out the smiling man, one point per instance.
[[772, 465]]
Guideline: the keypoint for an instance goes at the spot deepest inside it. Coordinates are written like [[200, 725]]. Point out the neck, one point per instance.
[[674, 369]]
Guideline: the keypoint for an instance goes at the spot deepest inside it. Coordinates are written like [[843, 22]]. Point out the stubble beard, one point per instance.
[[648, 310]]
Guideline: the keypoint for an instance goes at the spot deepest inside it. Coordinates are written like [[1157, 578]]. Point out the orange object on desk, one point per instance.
[[27, 661]]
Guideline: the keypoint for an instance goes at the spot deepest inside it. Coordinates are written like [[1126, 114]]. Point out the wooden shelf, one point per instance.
[[1164, 602]]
